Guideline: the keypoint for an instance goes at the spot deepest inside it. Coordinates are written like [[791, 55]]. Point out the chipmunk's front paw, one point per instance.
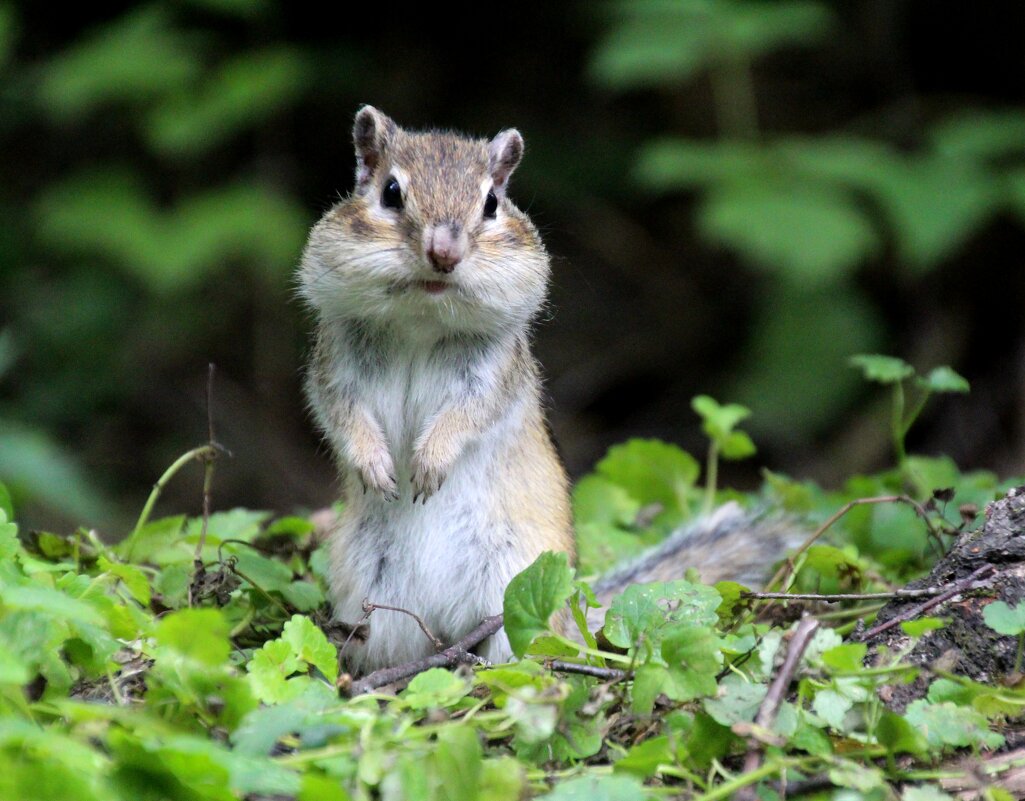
[[427, 478], [378, 476]]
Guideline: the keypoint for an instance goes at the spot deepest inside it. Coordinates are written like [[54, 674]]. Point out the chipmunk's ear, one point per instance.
[[370, 134], [504, 153]]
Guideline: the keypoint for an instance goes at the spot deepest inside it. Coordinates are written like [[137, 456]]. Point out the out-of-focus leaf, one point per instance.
[[653, 472], [810, 233], [137, 57], [35, 467], [980, 134], [884, 369], [934, 206], [801, 335], [244, 91], [108, 214], [657, 42], [944, 379]]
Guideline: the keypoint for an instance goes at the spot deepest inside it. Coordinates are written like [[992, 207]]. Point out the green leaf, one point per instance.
[[458, 760], [809, 234], [6, 507], [645, 613], [923, 625], [736, 702], [157, 537], [598, 788], [199, 634], [947, 725], [108, 213], [134, 579], [1005, 619], [883, 369], [980, 134], [259, 731], [692, 653], [435, 688], [533, 596], [643, 759], [847, 658], [51, 602], [137, 57], [269, 669], [501, 779], [652, 471], [244, 91], [944, 379], [657, 44], [832, 707], [303, 595], [311, 645], [925, 792], [899, 736]]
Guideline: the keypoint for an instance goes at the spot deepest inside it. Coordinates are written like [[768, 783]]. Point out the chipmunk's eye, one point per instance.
[[391, 197], [491, 205]]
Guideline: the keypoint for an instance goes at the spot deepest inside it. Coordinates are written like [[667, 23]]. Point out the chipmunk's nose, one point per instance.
[[445, 246]]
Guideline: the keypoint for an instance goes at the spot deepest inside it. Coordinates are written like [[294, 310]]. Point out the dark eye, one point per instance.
[[391, 196], [491, 205]]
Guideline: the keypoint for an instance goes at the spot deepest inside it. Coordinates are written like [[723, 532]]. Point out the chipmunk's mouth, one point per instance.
[[433, 287]]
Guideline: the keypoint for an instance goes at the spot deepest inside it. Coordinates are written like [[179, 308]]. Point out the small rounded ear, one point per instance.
[[371, 132], [504, 153]]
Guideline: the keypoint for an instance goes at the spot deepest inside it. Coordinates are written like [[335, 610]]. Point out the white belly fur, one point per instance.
[[447, 560]]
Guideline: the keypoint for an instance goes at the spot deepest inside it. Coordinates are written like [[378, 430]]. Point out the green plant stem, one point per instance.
[[202, 452], [1018, 655], [897, 429], [625, 660], [728, 788]]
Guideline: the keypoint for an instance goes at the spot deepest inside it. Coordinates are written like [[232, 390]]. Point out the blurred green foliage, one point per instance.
[[808, 210], [127, 259], [165, 160]]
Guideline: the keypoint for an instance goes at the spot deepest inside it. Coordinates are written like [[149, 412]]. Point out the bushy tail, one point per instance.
[[730, 544]]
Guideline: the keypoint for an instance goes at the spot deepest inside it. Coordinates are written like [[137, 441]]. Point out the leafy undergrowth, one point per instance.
[[124, 675]]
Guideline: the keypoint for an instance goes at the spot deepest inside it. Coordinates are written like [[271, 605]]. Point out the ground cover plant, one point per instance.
[[196, 659]]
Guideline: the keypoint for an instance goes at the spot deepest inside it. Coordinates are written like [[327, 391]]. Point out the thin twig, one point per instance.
[[925, 592], [957, 588], [456, 654], [770, 705], [198, 569], [788, 565], [609, 674], [369, 607]]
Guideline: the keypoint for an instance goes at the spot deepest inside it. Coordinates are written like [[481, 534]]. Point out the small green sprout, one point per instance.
[[902, 377], [718, 423]]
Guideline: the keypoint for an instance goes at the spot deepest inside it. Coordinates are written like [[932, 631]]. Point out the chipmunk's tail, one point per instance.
[[730, 544]]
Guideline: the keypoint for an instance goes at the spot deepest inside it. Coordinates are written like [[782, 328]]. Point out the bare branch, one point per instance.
[[609, 674], [774, 697], [456, 654], [369, 607], [967, 583]]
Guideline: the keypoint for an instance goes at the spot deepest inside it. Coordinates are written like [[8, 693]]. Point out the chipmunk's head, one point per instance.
[[428, 234]]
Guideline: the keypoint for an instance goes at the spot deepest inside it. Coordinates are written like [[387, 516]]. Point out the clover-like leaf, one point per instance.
[[944, 379], [882, 369], [1005, 619]]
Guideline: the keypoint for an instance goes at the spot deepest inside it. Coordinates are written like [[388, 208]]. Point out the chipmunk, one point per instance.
[[425, 282]]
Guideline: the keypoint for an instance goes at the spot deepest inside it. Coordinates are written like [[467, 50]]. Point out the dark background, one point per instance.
[[163, 161]]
